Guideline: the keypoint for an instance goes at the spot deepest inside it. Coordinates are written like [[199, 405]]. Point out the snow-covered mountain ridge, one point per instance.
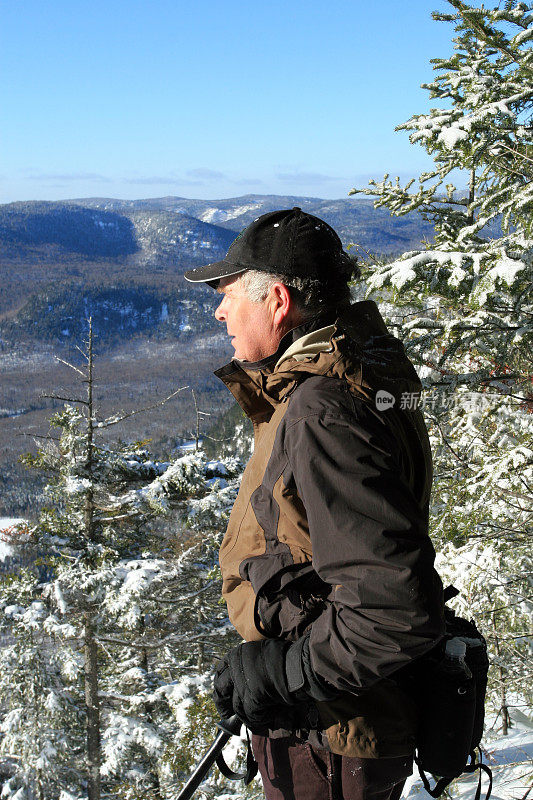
[[121, 261], [178, 229]]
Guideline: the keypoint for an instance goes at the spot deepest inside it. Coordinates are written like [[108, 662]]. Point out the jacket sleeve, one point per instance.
[[370, 543]]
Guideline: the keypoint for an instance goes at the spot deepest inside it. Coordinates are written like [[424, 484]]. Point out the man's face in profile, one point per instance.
[[248, 323]]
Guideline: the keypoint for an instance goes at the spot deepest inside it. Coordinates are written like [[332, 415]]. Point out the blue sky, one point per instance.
[[211, 98]]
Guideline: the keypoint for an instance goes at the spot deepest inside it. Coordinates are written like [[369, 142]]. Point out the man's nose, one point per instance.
[[219, 312]]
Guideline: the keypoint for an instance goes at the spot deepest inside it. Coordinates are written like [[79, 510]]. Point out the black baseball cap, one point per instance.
[[289, 242]]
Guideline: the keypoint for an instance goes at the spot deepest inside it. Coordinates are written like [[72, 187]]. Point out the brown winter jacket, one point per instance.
[[329, 531]]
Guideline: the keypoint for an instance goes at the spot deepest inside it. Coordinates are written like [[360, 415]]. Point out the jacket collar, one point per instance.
[[359, 349]]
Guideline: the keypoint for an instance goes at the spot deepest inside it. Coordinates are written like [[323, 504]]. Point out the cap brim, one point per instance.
[[212, 273]]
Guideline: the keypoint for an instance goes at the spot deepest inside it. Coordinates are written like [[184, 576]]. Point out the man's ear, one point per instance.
[[281, 304]]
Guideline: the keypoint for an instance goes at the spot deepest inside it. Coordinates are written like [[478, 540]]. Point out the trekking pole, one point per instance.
[[228, 728]]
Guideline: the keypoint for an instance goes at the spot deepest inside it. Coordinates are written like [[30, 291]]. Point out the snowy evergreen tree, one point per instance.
[[111, 633], [480, 264], [463, 307]]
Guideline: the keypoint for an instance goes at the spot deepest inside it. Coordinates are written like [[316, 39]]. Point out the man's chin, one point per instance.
[[238, 355]]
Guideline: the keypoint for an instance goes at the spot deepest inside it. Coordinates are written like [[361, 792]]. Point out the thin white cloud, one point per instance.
[[204, 173], [67, 177], [305, 177], [249, 182], [197, 177], [194, 177], [207, 174], [150, 180]]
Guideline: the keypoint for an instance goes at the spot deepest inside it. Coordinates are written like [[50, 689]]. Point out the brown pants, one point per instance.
[[294, 770]]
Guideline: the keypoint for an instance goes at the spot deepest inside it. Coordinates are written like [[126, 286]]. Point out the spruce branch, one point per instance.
[[115, 420], [47, 437], [65, 399], [83, 353], [68, 364], [183, 598]]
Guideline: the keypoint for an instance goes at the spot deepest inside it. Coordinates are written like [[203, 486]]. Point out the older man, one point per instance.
[[327, 565]]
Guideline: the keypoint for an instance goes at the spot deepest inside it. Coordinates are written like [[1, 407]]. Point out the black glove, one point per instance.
[[270, 684]]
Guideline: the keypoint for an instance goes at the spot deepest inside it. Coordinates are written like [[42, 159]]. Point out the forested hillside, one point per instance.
[[101, 242]]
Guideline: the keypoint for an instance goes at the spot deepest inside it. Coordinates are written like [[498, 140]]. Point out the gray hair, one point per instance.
[[310, 296]]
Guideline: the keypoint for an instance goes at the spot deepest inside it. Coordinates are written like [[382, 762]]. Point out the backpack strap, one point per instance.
[[471, 767], [251, 765], [439, 787]]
